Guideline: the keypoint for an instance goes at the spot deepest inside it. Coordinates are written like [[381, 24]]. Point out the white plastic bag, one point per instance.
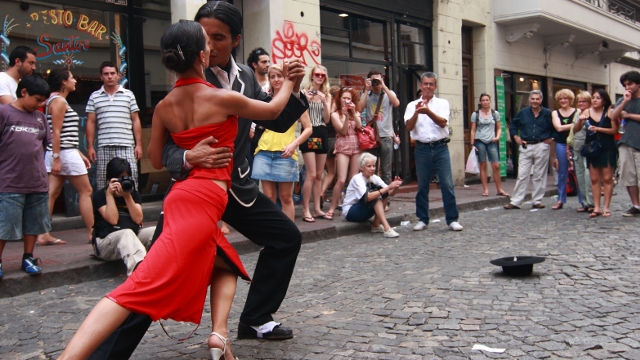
[[472, 163]]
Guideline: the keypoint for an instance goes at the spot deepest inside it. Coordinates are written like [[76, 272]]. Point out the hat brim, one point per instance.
[[520, 260]]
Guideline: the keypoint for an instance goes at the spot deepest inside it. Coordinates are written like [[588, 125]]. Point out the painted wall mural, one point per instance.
[[288, 43], [4, 38]]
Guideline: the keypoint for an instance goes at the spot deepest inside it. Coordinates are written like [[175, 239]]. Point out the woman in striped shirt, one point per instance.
[[63, 160]]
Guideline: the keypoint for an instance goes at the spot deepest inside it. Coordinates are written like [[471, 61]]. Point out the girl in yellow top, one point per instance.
[[276, 158]]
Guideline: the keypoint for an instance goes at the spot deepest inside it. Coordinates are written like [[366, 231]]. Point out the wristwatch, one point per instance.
[[56, 155]]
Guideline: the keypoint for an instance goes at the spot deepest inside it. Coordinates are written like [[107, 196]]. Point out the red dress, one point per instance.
[[172, 281]]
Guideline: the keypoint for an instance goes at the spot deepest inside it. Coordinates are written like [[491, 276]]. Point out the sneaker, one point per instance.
[[455, 226], [378, 229], [419, 226], [631, 212], [391, 233], [29, 266]]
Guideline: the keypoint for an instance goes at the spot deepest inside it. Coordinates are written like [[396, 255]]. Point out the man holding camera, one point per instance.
[[378, 102], [115, 111], [117, 232]]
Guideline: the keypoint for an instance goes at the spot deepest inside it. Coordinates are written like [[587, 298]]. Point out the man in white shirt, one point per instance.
[[427, 119], [22, 62]]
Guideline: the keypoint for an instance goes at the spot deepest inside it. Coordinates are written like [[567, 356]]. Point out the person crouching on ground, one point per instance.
[[367, 195], [24, 189], [117, 233]]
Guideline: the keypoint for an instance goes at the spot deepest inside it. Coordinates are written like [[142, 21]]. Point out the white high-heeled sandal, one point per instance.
[[217, 354]]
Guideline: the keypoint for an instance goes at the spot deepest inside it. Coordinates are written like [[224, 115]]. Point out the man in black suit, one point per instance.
[[248, 211]]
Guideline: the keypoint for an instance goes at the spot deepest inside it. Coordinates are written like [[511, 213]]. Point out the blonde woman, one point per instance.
[[314, 150], [275, 161], [585, 198], [563, 120]]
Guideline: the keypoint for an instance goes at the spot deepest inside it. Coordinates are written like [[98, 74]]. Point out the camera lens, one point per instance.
[[126, 183], [375, 82]]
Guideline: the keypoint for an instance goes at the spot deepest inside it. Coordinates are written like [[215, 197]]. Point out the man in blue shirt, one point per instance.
[[532, 130]]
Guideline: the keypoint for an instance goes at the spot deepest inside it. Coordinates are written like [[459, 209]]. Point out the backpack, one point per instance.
[[572, 183]]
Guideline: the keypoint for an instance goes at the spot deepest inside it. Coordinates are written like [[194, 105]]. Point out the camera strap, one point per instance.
[[376, 113]]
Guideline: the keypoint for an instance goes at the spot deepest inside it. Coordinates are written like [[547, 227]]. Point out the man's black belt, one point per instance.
[[437, 142], [533, 142]]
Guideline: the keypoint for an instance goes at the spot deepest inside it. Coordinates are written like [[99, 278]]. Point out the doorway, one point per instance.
[[468, 104]]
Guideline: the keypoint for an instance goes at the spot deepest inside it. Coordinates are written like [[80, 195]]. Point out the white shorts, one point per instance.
[[72, 164]]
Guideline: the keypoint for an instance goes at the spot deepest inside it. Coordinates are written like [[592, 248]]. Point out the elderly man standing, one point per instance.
[[428, 121], [532, 130]]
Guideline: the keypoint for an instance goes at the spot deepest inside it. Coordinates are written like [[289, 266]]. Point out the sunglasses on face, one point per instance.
[[319, 75], [346, 88]]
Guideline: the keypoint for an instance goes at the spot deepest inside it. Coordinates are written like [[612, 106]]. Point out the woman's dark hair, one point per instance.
[[56, 77], [34, 84], [181, 45], [117, 166], [605, 96], [224, 12]]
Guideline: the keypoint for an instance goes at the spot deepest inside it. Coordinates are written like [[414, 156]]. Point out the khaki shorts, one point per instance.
[[629, 159]]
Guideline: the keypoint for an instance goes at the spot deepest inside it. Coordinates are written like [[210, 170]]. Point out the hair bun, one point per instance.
[[172, 59]]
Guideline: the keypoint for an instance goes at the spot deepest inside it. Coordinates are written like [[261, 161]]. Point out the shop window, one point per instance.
[[412, 44], [158, 80], [574, 86], [351, 74], [349, 35]]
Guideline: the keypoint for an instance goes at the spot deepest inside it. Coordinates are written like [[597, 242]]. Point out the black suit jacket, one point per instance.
[[243, 189]]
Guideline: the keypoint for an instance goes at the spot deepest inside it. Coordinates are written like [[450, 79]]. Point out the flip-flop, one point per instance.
[[309, 219], [502, 194], [54, 242], [595, 214], [485, 194], [606, 214], [318, 215], [328, 215]]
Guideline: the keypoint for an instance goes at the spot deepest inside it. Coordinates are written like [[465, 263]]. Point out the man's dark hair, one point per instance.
[[224, 12], [254, 56], [56, 77], [631, 76], [20, 52], [108, 64], [181, 45], [117, 166], [34, 84], [605, 96], [373, 72]]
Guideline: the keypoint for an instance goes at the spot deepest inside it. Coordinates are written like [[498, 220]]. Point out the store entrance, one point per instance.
[[410, 85]]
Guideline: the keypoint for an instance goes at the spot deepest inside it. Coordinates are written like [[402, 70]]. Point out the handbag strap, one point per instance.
[[377, 111]]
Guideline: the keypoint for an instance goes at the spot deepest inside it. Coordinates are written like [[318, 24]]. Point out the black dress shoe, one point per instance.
[[278, 333]]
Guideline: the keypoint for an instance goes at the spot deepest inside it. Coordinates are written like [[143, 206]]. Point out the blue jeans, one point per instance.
[[563, 171], [430, 159]]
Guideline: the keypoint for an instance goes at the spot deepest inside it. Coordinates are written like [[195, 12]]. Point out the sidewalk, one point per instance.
[[72, 263]]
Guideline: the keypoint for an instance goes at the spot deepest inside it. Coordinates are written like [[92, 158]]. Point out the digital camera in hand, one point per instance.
[[127, 184], [375, 82]]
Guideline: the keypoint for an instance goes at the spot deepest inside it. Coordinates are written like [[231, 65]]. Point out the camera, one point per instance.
[[127, 184], [375, 82], [347, 102], [314, 92]]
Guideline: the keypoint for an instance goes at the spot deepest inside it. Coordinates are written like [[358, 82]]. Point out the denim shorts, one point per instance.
[[484, 150], [271, 166], [23, 214]]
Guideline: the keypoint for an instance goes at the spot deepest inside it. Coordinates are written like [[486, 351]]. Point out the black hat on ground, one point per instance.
[[517, 265]]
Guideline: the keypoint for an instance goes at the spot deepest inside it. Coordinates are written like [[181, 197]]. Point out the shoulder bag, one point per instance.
[[368, 136]]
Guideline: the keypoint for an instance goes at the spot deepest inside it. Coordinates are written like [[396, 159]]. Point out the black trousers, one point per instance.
[[262, 223]]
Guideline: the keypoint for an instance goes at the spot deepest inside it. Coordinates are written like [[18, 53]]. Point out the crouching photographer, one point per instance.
[[117, 232]]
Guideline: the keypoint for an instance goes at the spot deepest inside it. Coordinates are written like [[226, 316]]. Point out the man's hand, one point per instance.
[[627, 96], [91, 154], [517, 139], [624, 114], [396, 139], [137, 152], [367, 85], [203, 155], [295, 72], [422, 107]]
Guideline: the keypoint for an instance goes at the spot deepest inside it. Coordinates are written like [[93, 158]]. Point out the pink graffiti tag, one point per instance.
[[289, 44]]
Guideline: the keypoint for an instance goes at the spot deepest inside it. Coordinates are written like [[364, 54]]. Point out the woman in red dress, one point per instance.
[[172, 281]]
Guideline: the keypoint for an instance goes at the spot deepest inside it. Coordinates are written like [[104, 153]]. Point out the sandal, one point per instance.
[[502, 194], [557, 206], [328, 215], [486, 193], [583, 208], [217, 354], [606, 214], [309, 219], [595, 214], [54, 242]]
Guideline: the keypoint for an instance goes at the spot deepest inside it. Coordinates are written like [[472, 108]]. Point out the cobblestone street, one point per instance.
[[428, 294]]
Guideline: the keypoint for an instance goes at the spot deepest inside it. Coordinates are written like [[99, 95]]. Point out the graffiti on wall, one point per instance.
[[290, 44], [122, 52], [4, 38]]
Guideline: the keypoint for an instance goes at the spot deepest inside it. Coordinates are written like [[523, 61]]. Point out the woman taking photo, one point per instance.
[[63, 160], [563, 120], [485, 134], [585, 198], [314, 150], [367, 195], [192, 111], [275, 161], [600, 128], [347, 121]]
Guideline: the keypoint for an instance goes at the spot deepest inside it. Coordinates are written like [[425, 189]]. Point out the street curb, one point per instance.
[[90, 270]]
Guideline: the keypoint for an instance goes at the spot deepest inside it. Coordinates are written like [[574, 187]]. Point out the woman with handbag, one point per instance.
[[347, 122], [600, 149], [314, 150], [367, 195], [485, 134], [275, 161], [563, 119], [574, 143]]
